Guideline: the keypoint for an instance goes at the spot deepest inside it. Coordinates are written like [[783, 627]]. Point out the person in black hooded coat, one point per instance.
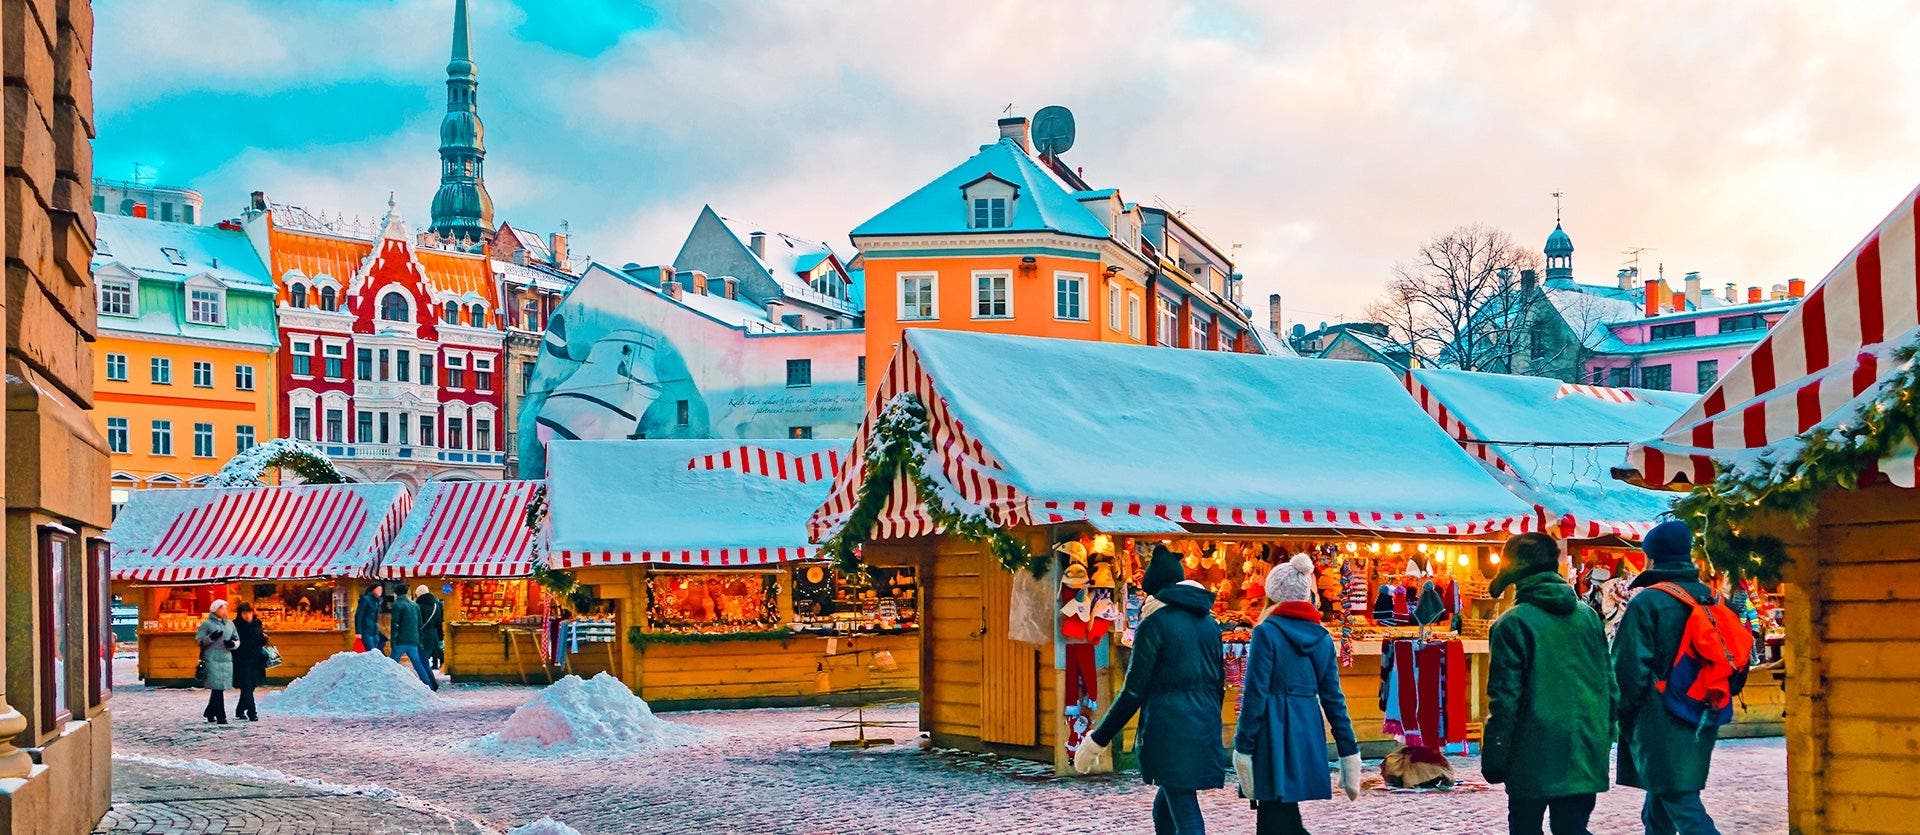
[[1176, 682], [249, 660]]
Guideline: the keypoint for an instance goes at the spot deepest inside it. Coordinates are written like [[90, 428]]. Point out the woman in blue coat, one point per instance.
[[1293, 679]]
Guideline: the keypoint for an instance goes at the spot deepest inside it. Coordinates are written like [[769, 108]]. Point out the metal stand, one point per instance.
[[859, 723]]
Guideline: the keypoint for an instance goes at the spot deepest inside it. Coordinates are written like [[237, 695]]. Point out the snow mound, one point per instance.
[[585, 716], [544, 826], [353, 684]]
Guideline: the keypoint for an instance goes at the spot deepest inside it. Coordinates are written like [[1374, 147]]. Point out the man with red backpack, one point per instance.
[[1679, 661]]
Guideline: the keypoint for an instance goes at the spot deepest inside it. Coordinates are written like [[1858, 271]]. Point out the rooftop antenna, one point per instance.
[[1556, 206], [1634, 254], [1008, 110]]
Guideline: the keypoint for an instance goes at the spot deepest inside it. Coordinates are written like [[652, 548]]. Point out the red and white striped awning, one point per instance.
[[758, 460], [256, 533], [1818, 366], [702, 558], [465, 529]]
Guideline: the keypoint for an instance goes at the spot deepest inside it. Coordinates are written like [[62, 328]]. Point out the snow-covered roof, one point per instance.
[[685, 502], [1588, 309], [787, 259], [1271, 344], [465, 529], [1043, 430], [218, 534], [168, 251], [1043, 204], [1585, 430]]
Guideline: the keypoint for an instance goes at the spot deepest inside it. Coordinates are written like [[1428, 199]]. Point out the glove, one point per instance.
[[1243, 768], [1091, 758], [1350, 776]]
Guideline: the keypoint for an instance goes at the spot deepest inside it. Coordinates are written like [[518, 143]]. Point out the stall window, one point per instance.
[[492, 601], [297, 607], [713, 602], [874, 599]]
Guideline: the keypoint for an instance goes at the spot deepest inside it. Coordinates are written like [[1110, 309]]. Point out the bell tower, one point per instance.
[[461, 208]]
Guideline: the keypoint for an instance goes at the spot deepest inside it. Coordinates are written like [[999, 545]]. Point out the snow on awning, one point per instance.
[[256, 533], [1040, 431], [1555, 445], [1820, 365], [684, 502], [465, 529]]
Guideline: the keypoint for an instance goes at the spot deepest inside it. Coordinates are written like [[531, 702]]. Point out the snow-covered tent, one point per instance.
[[465, 529], [1554, 444], [256, 533]]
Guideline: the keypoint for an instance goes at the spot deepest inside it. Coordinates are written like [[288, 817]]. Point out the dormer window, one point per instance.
[[329, 301], [452, 315], [206, 302], [116, 297], [477, 316], [393, 307], [989, 212], [297, 295], [990, 202]]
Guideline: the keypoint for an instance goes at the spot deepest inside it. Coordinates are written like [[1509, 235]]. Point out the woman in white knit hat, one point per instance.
[[217, 641], [1292, 680]]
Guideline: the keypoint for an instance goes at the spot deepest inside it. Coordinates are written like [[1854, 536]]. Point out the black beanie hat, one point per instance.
[[1526, 555], [1163, 570], [1669, 545]]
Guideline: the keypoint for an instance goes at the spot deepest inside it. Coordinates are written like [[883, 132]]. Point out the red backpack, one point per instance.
[[1710, 667]]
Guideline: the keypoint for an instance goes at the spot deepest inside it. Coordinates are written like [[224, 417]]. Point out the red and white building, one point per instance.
[[391, 347]]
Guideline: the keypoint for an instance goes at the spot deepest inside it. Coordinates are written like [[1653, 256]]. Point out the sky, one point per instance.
[[1752, 142]]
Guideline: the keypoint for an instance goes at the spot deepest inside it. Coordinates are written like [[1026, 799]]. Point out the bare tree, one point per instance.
[[1460, 303]]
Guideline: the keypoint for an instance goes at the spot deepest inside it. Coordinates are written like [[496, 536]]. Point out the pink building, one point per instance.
[[1684, 341]]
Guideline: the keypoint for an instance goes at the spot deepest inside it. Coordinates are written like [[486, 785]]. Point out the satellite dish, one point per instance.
[[1053, 130]]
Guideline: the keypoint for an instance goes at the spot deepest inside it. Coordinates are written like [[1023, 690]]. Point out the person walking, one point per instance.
[[366, 619], [1550, 695], [1176, 683], [1292, 681], [406, 637], [217, 641], [1659, 753], [432, 625], [249, 660]]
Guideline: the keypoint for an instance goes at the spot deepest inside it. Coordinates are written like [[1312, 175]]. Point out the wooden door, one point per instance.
[[1009, 670]]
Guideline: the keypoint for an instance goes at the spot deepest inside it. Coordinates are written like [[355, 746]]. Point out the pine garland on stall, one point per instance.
[[1827, 459], [901, 446], [561, 585], [303, 459]]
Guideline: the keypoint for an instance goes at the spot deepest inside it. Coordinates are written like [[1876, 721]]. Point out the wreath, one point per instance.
[[299, 457]]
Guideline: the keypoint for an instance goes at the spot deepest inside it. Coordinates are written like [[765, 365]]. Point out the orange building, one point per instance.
[[184, 366], [1012, 241]]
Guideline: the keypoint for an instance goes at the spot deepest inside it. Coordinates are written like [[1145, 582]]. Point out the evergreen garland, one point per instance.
[[900, 446], [561, 585], [1828, 459], [641, 638], [298, 457]]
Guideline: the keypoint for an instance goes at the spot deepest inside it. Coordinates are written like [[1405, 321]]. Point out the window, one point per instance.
[[1619, 377], [452, 315], [456, 436], [363, 428], [1675, 330], [799, 432], [386, 428], [116, 297], [296, 295], [336, 426], [329, 301], [386, 365], [203, 440], [202, 374], [990, 296], [799, 373], [303, 359], [400, 425], [363, 364], [1169, 323], [117, 435], [1706, 373], [482, 374], [682, 413], [1113, 308], [1201, 330], [393, 307], [242, 439], [336, 362], [163, 437], [403, 365], [860, 369], [1068, 290], [917, 297], [426, 430], [1749, 322], [204, 307], [482, 434], [1133, 315], [1657, 377], [456, 376], [302, 423], [426, 370], [530, 314], [117, 367], [243, 377], [160, 371], [989, 212], [526, 377], [174, 256], [477, 316]]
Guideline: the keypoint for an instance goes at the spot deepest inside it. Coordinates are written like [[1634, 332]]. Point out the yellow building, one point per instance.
[[183, 368]]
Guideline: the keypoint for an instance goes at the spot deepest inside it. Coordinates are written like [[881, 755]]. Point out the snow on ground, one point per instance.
[[575, 716], [353, 684], [544, 826], [254, 772]]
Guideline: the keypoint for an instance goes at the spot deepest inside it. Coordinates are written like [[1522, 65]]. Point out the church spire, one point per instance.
[[461, 208]]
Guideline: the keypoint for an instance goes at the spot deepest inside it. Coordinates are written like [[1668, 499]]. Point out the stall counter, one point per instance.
[[168, 659], [771, 671]]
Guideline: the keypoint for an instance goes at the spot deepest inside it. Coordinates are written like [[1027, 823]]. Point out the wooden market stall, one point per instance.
[[299, 554], [1079, 457], [1832, 397], [701, 548], [1556, 445], [470, 543]]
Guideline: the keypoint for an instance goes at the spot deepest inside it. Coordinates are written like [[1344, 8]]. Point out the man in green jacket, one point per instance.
[[406, 637], [1550, 695]]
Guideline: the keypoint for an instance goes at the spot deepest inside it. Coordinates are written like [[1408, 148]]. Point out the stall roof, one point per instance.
[[1562, 443], [465, 529], [685, 502], [256, 533], [1037, 431], [1820, 366]]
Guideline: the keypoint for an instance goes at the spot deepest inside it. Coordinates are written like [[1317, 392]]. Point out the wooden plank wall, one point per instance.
[[951, 698], [1009, 670]]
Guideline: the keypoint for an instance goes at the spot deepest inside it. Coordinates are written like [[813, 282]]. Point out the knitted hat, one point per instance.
[[1291, 581], [1163, 570], [1669, 545], [217, 606], [1526, 555], [1075, 577], [1075, 551]]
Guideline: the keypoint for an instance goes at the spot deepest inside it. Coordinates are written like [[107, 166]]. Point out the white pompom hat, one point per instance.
[[217, 606], [1291, 581]]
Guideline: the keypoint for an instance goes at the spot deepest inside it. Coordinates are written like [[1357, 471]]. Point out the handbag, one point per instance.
[[200, 673], [273, 656]]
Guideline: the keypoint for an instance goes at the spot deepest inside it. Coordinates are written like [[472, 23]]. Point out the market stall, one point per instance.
[[470, 543], [988, 458], [298, 554], [718, 597]]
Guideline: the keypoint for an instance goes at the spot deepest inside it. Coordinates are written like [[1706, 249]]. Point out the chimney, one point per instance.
[[139, 210], [1015, 128], [1627, 276], [1731, 294], [257, 201], [1779, 290], [1273, 314], [774, 306], [1528, 279], [1796, 288], [1693, 286], [1753, 295], [1679, 302], [757, 241], [557, 244], [1656, 296]]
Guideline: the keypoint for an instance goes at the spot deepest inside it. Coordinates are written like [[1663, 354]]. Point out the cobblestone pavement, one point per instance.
[[761, 771], [157, 798]]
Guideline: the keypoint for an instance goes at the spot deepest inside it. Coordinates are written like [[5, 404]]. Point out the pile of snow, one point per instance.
[[585, 716], [544, 826], [353, 684]]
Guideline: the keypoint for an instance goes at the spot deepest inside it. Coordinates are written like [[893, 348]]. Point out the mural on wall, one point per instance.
[[622, 360]]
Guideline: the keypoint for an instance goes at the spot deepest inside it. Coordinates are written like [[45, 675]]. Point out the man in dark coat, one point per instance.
[[1658, 752], [1550, 695], [366, 619], [406, 637], [432, 623], [1176, 682]]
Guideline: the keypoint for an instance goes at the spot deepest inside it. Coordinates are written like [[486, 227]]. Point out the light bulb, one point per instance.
[[1375, 548], [1495, 559], [1422, 547], [1463, 559]]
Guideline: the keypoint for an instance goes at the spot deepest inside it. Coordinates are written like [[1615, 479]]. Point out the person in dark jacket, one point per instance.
[[1550, 695], [217, 641], [1176, 682], [406, 637], [366, 618], [249, 660], [1658, 752], [1293, 679], [433, 617]]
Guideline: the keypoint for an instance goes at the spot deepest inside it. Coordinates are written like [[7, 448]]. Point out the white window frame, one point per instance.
[[454, 361], [1136, 319], [1079, 281], [121, 285], [298, 348], [1199, 332], [243, 379], [244, 438], [160, 431], [1115, 311], [987, 205], [203, 430], [380, 308], [121, 428], [482, 365], [1167, 321], [933, 297], [154, 368], [115, 358], [202, 366], [215, 299], [1007, 311]]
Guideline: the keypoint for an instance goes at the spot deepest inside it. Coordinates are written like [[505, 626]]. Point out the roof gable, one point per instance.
[[1044, 205]]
